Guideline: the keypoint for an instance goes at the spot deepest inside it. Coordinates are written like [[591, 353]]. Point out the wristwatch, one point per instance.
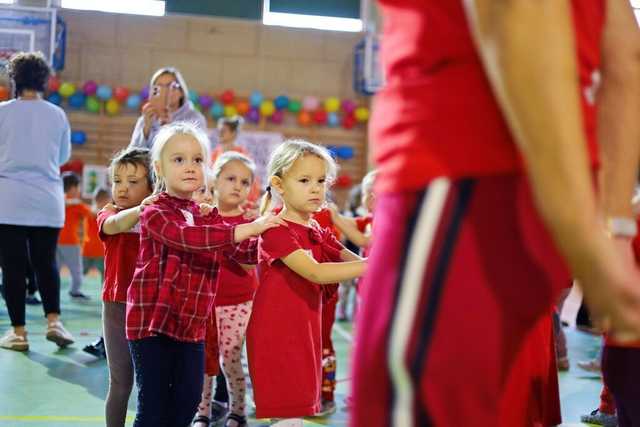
[[622, 227]]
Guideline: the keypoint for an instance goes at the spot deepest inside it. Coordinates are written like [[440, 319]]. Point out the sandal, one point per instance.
[[201, 419], [241, 420]]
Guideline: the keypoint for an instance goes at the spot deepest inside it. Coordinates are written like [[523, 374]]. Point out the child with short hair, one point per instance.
[[284, 334], [171, 295], [69, 251]]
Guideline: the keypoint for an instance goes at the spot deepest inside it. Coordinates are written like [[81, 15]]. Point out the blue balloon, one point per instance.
[[345, 152], [77, 100], [281, 102], [133, 101], [193, 96], [217, 110], [104, 92], [333, 120], [255, 99], [55, 98], [78, 137]]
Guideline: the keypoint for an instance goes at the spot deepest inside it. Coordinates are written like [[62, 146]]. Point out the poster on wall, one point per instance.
[[259, 145], [93, 176]]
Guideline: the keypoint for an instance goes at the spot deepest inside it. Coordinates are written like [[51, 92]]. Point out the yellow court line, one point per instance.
[[67, 418]]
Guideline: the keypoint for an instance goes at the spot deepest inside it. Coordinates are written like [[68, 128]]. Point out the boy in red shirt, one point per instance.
[[92, 250]]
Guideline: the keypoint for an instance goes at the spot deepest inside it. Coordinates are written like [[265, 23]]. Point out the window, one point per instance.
[[136, 7], [332, 15]]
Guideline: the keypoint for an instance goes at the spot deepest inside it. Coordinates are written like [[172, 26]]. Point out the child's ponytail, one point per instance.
[[266, 201]]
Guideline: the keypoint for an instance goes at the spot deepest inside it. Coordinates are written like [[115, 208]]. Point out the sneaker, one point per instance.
[[592, 365], [563, 364], [79, 296], [218, 412], [32, 299], [96, 349], [327, 408], [59, 335], [599, 418], [14, 342]]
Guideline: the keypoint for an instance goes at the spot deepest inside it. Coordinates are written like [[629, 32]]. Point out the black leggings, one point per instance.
[[18, 244]]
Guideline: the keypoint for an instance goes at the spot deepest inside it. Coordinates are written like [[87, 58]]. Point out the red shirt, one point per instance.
[[92, 246], [287, 316], [76, 215], [235, 284], [362, 222], [437, 115], [173, 286], [120, 253]]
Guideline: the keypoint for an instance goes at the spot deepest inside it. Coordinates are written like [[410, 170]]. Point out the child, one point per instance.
[[284, 334], [234, 175], [171, 295], [69, 251], [92, 250]]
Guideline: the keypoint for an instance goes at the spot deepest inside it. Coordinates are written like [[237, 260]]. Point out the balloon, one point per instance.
[[193, 96], [348, 106], [253, 115], [121, 94], [304, 118], [310, 103], [90, 87], [277, 117], [230, 111], [295, 106], [332, 104], [77, 100], [217, 110], [134, 101], [344, 181], [198, 107], [205, 101], [4, 93], [104, 92], [92, 104], [255, 99], [333, 120], [267, 108], [320, 117], [345, 152], [243, 107], [67, 89], [78, 137], [281, 102], [348, 121], [362, 114], [333, 150], [55, 98], [54, 84], [228, 96], [144, 93], [112, 107]]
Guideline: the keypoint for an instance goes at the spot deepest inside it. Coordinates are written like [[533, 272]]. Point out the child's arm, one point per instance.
[[325, 273], [126, 219], [348, 227], [347, 255]]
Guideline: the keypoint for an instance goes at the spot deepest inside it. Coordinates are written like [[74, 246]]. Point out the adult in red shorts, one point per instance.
[[486, 141]]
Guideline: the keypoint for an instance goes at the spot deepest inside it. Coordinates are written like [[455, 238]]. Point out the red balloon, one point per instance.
[[320, 117], [348, 121], [227, 96], [304, 118], [121, 94], [54, 84], [344, 181]]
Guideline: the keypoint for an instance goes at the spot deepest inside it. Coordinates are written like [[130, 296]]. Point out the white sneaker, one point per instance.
[[14, 342], [59, 335]]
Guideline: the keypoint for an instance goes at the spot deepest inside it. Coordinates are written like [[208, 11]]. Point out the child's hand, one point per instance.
[[250, 214], [205, 209], [266, 222], [147, 201], [111, 207]]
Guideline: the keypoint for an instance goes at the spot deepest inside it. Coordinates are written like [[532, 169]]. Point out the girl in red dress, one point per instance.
[[284, 336]]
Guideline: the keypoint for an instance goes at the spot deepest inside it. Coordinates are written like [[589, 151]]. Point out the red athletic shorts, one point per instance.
[[459, 275]]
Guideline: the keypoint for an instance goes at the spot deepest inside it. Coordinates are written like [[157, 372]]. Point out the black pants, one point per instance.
[[621, 372], [169, 375], [221, 395], [18, 245]]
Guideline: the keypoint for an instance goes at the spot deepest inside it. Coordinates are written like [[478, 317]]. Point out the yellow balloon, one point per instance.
[[267, 108], [230, 111], [112, 107], [362, 114], [332, 104], [67, 89]]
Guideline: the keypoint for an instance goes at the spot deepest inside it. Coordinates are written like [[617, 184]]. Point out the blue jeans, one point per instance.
[[169, 375]]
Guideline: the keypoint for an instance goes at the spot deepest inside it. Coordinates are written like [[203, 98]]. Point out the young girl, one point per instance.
[[284, 334], [233, 174], [171, 295], [118, 229]]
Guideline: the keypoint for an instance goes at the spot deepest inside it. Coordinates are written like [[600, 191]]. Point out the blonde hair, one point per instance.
[[172, 71], [164, 136], [285, 155], [231, 156], [368, 181]]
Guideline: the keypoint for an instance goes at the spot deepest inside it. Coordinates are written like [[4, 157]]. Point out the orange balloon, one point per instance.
[[4, 93], [305, 118], [243, 107]]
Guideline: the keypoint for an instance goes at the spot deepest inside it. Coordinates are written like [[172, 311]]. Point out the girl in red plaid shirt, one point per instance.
[[172, 291]]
